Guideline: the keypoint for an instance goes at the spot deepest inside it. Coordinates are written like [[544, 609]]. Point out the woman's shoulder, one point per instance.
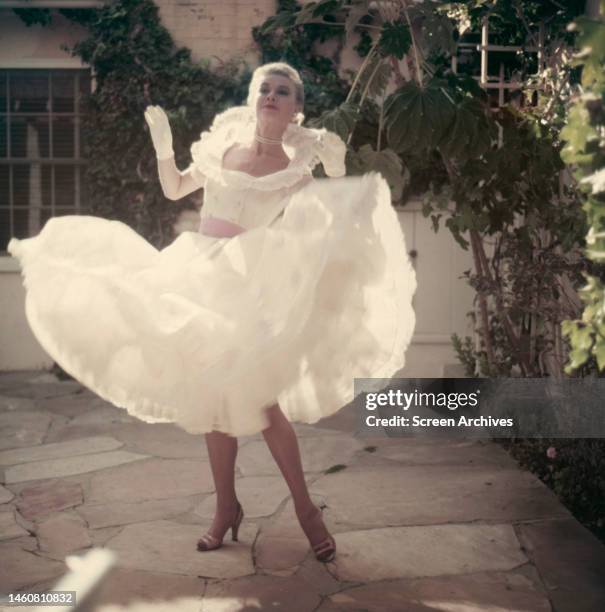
[[306, 147], [226, 128], [318, 145]]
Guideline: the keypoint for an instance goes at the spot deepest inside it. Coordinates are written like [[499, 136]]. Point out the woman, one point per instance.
[[291, 288]]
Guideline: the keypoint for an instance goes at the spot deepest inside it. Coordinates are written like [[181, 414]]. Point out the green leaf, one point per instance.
[[577, 358], [311, 11], [453, 224], [418, 118], [340, 120], [386, 162], [440, 111], [325, 7], [394, 110], [470, 133], [284, 19], [578, 133], [437, 32], [583, 338], [379, 71], [395, 39], [592, 38], [305, 15]]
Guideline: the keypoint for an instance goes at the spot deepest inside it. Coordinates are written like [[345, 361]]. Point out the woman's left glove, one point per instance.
[[159, 127], [331, 150]]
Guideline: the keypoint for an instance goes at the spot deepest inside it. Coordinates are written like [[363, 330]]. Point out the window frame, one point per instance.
[[7, 262]]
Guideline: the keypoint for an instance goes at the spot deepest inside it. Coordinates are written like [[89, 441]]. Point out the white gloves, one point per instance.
[[159, 129]]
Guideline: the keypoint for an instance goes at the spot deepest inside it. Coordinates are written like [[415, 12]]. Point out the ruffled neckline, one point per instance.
[[236, 125], [228, 170]]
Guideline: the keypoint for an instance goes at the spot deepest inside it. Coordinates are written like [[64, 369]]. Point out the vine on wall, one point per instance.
[[585, 152], [135, 62]]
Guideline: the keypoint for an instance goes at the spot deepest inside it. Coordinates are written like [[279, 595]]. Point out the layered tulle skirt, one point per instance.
[[210, 331]]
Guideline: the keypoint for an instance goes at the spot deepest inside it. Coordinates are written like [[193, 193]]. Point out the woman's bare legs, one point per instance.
[[222, 450], [282, 443]]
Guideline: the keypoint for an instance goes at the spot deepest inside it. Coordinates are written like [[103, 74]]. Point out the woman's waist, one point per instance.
[[219, 228]]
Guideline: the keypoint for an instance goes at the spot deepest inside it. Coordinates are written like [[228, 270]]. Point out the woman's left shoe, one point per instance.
[[325, 551]]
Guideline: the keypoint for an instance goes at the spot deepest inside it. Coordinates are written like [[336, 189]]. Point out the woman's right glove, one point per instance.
[[160, 131]]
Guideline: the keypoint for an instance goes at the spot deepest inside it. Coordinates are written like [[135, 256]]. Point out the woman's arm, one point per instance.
[[176, 184]]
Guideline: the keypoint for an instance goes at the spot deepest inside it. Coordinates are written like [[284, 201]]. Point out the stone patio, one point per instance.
[[421, 524]]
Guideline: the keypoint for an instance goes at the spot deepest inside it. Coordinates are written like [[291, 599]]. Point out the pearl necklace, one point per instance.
[[264, 140]]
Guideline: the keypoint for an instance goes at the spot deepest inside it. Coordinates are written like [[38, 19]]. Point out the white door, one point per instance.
[[442, 297]]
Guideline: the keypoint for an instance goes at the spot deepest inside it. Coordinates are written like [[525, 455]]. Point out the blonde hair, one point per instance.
[[280, 69]]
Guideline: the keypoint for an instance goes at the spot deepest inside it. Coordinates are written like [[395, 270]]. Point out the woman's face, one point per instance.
[[276, 101]]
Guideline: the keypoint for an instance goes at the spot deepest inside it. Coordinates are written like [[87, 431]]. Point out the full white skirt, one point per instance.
[[209, 332]]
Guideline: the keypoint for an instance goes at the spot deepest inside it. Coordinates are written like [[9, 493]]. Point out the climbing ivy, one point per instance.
[[585, 152], [34, 16], [135, 63]]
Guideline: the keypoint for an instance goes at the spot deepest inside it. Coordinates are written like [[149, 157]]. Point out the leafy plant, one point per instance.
[[585, 152], [573, 469], [492, 177]]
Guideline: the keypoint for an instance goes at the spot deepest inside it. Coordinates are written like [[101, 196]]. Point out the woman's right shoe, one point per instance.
[[209, 542]]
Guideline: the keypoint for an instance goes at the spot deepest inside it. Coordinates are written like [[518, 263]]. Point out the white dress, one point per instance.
[[209, 331]]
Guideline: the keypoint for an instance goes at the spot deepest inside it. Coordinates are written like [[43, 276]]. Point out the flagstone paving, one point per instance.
[[25, 428], [67, 466], [421, 523], [259, 495], [5, 495], [9, 528], [82, 446], [99, 516], [61, 534], [48, 497]]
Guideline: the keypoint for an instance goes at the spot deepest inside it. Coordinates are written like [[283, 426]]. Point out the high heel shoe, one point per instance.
[[324, 551], [209, 542]]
